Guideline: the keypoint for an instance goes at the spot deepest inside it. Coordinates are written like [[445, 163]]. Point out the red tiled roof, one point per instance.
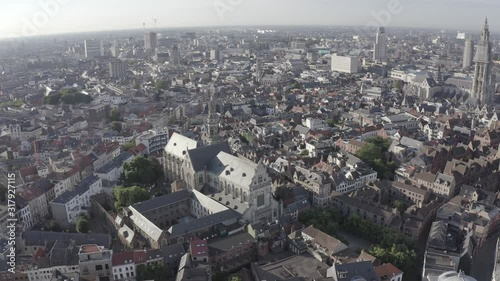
[[28, 171], [140, 257], [40, 253], [387, 270], [122, 258], [199, 248]]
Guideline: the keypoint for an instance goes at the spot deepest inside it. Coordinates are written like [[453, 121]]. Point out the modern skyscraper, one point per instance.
[[481, 87], [93, 48], [150, 41], [175, 55], [468, 54], [117, 69], [380, 48]]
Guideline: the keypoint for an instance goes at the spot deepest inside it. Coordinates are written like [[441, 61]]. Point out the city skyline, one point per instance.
[[48, 17]]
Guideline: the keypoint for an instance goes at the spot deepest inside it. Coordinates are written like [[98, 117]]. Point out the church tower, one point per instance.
[[212, 126], [481, 89]]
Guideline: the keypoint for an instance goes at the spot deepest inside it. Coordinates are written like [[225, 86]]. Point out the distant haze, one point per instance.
[[38, 17]]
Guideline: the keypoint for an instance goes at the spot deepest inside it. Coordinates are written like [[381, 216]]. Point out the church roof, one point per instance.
[[233, 169], [179, 145], [200, 157]]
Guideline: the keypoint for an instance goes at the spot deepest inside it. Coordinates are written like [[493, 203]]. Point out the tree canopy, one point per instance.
[[153, 272], [126, 196], [129, 145], [142, 171], [67, 96], [161, 85], [389, 245], [82, 224], [374, 152], [116, 126], [114, 115]]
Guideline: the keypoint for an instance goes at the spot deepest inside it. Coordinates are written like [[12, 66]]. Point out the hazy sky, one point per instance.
[[28, 17]]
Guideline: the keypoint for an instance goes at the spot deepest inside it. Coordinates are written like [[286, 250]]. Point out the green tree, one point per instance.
[[373, 154], [369, 152], [82, 224], [53, 226], [129, 145], [114, 115], [126, 196], [116, 126], [400, 206], [397, 84], [304, 152], [67, 96], [161, 85], [142, 171], [153, 272]]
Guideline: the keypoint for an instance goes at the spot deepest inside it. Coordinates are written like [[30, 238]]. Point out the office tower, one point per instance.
[[215, 55], [481, 87], [115, 50], [468, 54], [298, 44], [117, 69], [380, 48], [345, 64], [175, 55], [93, 48], [150, 41]]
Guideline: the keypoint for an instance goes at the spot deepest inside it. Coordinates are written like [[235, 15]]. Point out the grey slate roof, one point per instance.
[[161, 201], [79, 189], [38, 238], [201, 223], [354, 270], [200, 157]]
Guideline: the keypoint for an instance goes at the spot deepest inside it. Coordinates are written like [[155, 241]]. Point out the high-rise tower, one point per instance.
[[468, 54], [481, 88], [380, 48], [150, 41]]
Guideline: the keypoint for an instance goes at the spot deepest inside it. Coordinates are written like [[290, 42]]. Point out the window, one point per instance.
[[260, 200], [98, 267]]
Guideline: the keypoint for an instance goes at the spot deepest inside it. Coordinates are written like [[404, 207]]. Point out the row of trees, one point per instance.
[[374, 153], [388, 245], [67, 96]]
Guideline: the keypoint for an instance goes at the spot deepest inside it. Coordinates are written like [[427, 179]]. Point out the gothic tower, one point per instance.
[[212, 125], [481, 89]]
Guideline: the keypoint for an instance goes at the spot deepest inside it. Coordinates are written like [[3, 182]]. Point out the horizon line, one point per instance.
[[158, 29]]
